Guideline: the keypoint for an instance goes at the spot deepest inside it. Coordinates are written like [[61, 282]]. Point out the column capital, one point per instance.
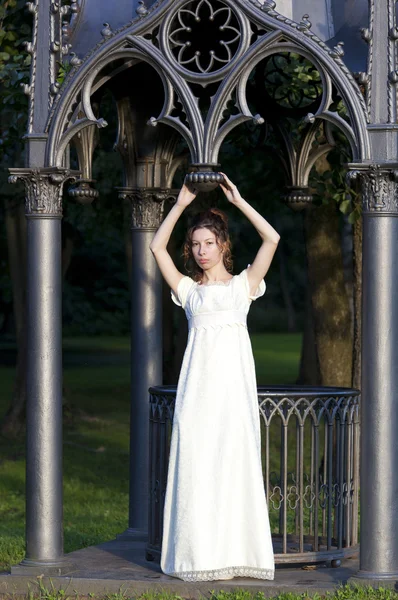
[[43, 189], [379, 184], [147, 205]]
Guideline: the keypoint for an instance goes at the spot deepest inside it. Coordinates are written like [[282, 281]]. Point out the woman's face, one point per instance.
[[205, 249]]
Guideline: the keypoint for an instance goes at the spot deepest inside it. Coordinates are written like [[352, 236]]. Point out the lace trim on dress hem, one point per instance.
[[226, 573]]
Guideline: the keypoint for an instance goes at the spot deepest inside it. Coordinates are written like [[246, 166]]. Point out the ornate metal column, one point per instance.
[[379, 411], [147, 154], [379, 440], [44, 523], [146, 344]]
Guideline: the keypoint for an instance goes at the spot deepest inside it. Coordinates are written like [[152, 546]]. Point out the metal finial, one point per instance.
[[65, 48], [54, 88], [352, 176], [106, 32], [305, 23], [338, 51], [31, 6], [83, 192], [268, 5], [141, 9], [297, 198], [361, 77], [393, 77], [309, 118], [366, 34], [393, 33], [258, 120], [65, 29], [28, 47], [26, 88], [75, 60], [204, 180]]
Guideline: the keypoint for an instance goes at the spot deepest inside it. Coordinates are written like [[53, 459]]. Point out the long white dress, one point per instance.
[[216, 522]]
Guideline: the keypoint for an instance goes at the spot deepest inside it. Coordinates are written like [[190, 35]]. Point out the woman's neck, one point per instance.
[[215, 274]]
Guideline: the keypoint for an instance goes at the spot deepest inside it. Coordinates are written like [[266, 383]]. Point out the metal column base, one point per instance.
[[42, 567], [132, 534]]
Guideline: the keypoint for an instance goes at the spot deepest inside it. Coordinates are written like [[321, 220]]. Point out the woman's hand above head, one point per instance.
[[186, 196], [159, 243], [230, 190], [269, 236]]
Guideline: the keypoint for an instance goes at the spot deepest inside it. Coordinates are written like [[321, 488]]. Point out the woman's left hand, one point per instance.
[[230, 190]]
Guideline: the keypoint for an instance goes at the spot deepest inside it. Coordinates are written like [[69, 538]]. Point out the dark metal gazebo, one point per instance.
[[103, 45]]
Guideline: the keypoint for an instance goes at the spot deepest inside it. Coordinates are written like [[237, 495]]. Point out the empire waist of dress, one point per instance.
[[217, 318]]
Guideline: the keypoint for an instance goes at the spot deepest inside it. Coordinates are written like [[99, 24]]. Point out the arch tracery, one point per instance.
[[160, 42]]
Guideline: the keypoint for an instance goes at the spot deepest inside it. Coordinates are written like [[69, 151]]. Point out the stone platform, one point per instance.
[[121, 566]]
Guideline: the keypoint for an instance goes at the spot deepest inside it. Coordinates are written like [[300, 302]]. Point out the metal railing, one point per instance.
[[310, 459]]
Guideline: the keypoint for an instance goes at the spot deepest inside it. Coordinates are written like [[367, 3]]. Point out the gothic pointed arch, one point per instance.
[[202, 45]]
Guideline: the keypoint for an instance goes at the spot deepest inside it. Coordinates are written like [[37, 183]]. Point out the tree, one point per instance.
[[14, 66]]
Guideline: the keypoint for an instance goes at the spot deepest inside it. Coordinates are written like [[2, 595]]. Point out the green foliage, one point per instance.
[[331, 186], [15, 29], [40, 592], [292, 80], [358, 592], [63, 69], [236, 594], [155, 595]]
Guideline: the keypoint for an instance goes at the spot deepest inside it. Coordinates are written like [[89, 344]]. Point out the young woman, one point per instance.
[[215, 516]]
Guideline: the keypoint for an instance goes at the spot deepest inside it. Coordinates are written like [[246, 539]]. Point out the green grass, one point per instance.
[[40, 592], [277, 357], [346, 592], [96, 439]]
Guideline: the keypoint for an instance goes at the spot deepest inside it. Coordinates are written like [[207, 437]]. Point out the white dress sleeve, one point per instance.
[[260, 291], [183, 289]]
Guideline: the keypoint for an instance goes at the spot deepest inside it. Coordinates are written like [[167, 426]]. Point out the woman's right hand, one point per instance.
[[186, 196]]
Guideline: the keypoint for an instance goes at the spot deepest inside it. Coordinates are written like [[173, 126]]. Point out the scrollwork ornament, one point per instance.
[[379, 188], [147, 206], [43, 190]]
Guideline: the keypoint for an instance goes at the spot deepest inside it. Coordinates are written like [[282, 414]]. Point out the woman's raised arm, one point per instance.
[[159, 243], [270, 238]]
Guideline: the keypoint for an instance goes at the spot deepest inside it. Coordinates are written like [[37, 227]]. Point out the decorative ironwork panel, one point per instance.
[[205, 52], [195, 29], [204, 38], [310, 459]]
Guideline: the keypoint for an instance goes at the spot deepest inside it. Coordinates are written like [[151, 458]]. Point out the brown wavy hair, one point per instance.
[[217, 222]]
